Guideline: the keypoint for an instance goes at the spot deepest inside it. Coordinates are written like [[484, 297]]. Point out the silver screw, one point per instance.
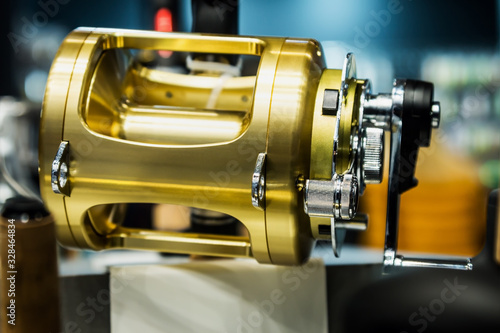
[[436, 114], [63, 175]]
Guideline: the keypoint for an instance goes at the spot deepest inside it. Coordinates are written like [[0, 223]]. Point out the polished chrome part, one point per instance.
[[398, 94], [389, 256], [377, 110], [60, 170], [346, 197], [464, 265], [337, 236], [393, 197], [348, 187], [372, 155], [63, 175], [436, 114], [259, 182], [348, 72], [332, 198], [318, 197], [358, 223], [365, 94]]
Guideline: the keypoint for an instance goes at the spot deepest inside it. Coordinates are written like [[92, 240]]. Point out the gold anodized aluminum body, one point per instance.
[[140, 135]]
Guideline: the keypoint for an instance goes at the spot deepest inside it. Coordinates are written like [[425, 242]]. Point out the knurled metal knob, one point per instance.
[[332, 198], [373, 155]]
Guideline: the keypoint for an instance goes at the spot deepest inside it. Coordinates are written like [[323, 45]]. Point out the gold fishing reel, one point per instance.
[[285, 150]]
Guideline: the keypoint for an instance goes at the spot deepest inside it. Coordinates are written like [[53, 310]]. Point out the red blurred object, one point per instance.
[[163, 22]]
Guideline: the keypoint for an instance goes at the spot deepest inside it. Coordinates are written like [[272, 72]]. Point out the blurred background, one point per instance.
[[453, 44]]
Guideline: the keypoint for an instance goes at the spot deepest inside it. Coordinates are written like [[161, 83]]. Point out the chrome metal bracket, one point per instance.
[[259, 182], [60, 170]]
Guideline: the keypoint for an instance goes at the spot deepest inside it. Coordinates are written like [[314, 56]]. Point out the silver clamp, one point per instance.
[[259, 182], [60, 170]]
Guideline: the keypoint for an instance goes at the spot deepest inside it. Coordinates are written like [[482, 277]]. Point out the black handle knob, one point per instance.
[[416, 131]]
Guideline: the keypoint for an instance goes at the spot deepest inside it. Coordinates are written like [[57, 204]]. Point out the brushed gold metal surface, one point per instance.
[[133, 106], [140, 135], [51, 125], [289, 149], [222, 246]]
